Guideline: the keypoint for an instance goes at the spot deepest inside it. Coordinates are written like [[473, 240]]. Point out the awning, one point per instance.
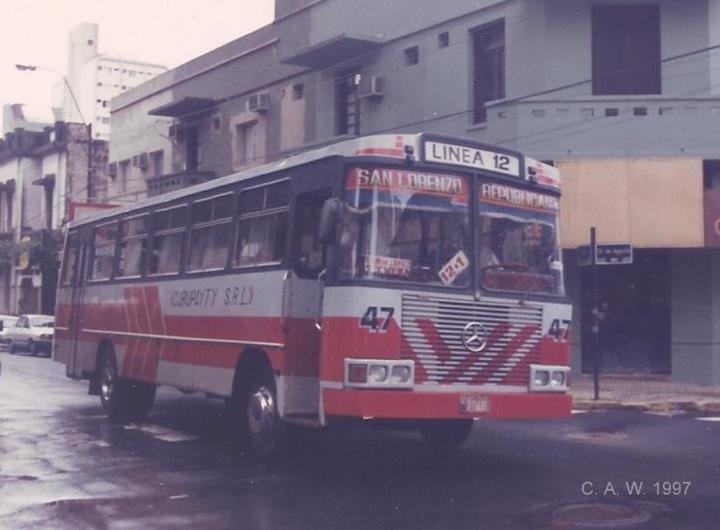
[[332, 51], [184, 106], [47, 180]]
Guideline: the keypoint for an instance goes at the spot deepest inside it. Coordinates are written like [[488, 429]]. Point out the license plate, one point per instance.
[[474, 404]]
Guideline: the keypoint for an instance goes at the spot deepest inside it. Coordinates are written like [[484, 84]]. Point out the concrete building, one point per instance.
[[15, 116], [43, 179], [96, 78], [622, 96]]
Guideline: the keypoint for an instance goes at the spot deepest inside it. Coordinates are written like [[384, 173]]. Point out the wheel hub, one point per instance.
[[261, 413], [107, 383]]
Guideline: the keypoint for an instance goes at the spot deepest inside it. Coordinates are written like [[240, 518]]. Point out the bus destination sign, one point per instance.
[[465, 156]]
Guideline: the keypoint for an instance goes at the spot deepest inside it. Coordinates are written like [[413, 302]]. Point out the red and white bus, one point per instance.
[[391, 277]]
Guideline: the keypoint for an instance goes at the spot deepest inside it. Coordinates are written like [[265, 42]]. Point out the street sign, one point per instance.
[[619, 254]]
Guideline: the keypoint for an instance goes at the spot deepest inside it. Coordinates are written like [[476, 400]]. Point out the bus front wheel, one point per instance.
[[123, 399], [446, 435], [257, 408]]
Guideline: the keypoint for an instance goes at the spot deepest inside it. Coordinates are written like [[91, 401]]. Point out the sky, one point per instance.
[[167, 32]]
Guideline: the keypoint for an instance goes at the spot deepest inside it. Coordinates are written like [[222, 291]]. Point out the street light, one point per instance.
[[88, 125]]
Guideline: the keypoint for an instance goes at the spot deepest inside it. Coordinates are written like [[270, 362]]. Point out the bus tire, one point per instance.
[[141, 397], [122, 399], [258, 416], [445, 435]]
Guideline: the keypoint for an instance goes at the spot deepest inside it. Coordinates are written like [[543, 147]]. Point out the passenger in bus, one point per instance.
[[310, 255], [487, 256]]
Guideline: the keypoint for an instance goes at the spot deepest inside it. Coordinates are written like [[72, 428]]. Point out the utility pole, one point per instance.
[[88, 125], [89, 187]]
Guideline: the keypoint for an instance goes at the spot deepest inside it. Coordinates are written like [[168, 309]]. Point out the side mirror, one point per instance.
[[329, 218], [556, 266]]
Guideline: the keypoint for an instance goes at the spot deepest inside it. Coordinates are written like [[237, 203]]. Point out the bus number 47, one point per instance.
[[559, 329], [374, 323]]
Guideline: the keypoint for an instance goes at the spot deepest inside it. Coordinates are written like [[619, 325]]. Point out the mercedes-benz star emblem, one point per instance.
[[474, 336]]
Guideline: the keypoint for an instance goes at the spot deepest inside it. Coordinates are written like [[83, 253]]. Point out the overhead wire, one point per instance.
[[693, 55]]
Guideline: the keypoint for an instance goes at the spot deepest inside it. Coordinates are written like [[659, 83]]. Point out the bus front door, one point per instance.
[[302, 309]]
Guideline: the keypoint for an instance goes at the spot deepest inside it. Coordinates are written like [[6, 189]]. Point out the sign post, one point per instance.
[[595, 315], [594, 255]]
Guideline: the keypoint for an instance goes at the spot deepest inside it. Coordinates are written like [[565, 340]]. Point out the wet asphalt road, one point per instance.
[[64, 466]]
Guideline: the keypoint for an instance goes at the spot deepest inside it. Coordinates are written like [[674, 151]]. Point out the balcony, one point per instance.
[[176, 181], [605, 125]]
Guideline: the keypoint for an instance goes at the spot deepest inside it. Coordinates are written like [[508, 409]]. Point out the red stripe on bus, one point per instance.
[[499, 360], [496, 333], [382, 151], [554, 352], [419, 405]]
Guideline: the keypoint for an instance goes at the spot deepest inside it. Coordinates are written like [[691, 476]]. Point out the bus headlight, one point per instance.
[[400, 374], [542, 378], [557, 378], [379, 373], [545, 378]]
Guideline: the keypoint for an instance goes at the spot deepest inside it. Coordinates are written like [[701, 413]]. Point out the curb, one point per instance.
[[605, 404], [710, 407], [707, 407]]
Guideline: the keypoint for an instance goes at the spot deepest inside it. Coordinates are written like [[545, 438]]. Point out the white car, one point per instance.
[[6, 322], [33, 333]]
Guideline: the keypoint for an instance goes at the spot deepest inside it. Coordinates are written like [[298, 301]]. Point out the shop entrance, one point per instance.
[[635, 304]]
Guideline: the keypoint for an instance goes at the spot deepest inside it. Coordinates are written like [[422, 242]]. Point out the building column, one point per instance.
[[696, 316]]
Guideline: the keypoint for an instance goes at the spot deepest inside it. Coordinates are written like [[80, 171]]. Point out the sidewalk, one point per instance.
[[646, 393]]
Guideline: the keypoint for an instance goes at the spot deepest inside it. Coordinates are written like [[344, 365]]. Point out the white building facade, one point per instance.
[[95, 79]]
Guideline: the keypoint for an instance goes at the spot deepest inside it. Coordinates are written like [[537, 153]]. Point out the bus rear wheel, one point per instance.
[[445, 435], [123, 399]]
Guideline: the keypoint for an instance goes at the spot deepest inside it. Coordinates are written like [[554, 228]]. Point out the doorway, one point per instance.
[[635, 315]]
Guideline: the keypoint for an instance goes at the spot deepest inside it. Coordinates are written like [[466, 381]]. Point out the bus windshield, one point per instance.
[[517, 247], [403, 225]]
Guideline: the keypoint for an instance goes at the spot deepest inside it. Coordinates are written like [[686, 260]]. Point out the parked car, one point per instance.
[[6, 322], [33, 333]]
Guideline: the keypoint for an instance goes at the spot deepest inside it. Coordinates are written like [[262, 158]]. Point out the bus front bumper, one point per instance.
[[398, 404]]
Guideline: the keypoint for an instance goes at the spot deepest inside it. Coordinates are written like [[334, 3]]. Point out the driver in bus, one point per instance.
[[539, 244]]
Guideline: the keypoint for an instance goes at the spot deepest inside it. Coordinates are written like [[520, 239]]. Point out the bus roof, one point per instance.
[[382, 145]]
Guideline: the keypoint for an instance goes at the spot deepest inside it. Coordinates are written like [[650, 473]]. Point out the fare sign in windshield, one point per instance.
[[463, 155]]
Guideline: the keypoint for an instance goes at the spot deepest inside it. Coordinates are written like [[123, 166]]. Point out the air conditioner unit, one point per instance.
[[143, 161], [372, 86], [176, 133], [259, 102]]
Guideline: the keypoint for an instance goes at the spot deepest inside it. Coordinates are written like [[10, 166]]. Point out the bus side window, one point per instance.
[[308, 259], [133, 246], [169, 227], [263, 226], [210, 233], [103, 251], [69, 264]]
